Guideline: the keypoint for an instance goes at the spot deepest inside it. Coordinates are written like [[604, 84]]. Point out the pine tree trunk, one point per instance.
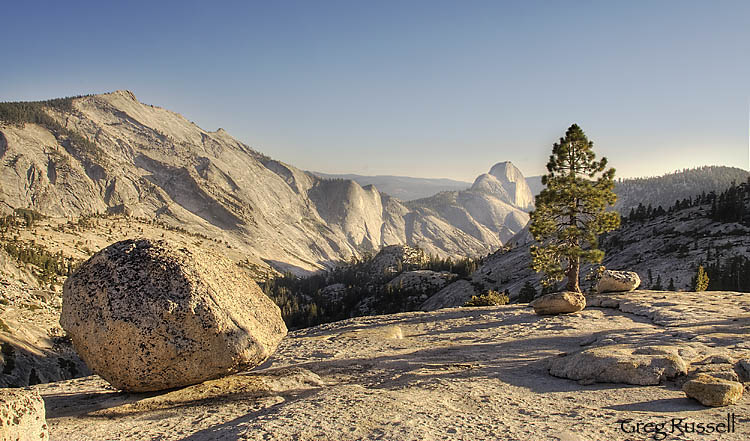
[[574, 265]]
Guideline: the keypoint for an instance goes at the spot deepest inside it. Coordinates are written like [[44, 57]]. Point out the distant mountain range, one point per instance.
[[658, 190], [666, 189], [535, 184], [111, 154], [403, 187]]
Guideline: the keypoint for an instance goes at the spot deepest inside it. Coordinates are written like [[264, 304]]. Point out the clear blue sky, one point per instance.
[[418, 88]]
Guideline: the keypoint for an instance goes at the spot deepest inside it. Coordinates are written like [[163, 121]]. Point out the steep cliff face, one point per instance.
[[492, 210], [112, 154], [506, 182]]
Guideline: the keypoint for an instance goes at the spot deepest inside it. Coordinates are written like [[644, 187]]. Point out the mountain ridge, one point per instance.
[[404, 188], [109, 153]]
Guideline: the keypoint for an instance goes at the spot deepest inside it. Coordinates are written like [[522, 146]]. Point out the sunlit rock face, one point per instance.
[[506, 182], [146, 161]]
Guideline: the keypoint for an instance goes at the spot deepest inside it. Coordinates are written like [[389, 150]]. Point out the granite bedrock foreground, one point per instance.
[[457, 373]]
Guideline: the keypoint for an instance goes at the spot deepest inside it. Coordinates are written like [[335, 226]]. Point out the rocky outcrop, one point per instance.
[[712, 391], [334, 292], [146, 316], [507, 180], [559, 303], [718, 366], [425, 281], [394, 259], [620, 364], [22, 416], [618, 281], [453, 295]]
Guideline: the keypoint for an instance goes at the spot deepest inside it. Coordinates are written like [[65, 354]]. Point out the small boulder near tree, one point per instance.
[[618, 281], [559, 303], [148, 315], [712, 391], [571, 210], [22, 415]]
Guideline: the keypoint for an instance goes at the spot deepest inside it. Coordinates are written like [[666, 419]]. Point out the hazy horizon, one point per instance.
[[421, 89]]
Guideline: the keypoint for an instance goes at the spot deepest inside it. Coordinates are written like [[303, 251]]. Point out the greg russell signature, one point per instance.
[[659, 430]]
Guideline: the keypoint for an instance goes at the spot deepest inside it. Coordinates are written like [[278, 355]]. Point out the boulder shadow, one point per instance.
[[84, 403], [663, 405]]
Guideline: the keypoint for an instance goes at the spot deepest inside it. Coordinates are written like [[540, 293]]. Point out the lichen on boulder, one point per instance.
[[712, 391], [147, 315], [22, 415]]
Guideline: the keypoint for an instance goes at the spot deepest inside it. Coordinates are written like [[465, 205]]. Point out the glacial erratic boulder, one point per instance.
[[559, 303], [147, 315], [22, 415], [712, 391], [618, 281], [620, 364]]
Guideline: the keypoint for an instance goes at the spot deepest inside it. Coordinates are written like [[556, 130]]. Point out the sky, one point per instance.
[[414, 88]]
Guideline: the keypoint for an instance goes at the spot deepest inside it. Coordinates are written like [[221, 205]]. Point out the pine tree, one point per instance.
[[570, 211], [671, 287], [701, 280], [657, 286]]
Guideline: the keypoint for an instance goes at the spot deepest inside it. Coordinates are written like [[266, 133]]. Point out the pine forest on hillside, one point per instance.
[[726, 264], [664, 190]]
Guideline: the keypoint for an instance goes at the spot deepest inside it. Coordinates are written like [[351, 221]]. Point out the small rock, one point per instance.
[[712, 391], [716, 359], [22, 415], [559, 303], [618, 281], [722, 371], [620, 364]]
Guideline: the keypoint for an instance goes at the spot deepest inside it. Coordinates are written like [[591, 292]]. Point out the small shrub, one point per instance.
[[700, 282], [490, 298]]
